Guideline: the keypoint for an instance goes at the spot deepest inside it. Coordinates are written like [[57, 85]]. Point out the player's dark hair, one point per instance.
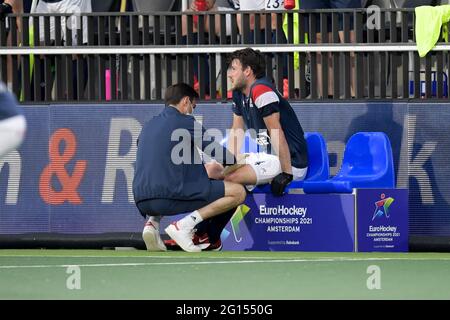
[[250, 58], [175, 93]]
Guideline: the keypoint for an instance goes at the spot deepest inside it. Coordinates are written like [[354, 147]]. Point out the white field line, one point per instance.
[[215, 262], [168, 256], [145, 257]]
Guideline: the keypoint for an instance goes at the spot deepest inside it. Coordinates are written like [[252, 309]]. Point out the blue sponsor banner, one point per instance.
[[382, 218], [97, 195], [73, 172], [294, 222]]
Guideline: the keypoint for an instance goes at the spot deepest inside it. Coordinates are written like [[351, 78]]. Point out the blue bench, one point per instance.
[[367, 163], [318, 166]]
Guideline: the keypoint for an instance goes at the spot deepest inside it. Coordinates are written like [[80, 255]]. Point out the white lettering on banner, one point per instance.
[[276, 220], [282, 210], [283, 218], [382, 228], [14, 162], [283, 229], [382, 234], [116, 162], [415, 166]]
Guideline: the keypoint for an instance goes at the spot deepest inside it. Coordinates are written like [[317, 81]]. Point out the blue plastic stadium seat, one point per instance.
[[318, 166], [367, 163]]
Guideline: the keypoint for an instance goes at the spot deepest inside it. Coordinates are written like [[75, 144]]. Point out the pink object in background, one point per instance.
[[108, 87], [108, 84]]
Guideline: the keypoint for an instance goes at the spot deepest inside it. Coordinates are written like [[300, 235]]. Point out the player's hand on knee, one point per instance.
[[280, 182], [214, 170]]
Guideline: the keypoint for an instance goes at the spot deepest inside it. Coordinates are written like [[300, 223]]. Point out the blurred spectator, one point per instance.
[[259, 5], [332, 4], [211, 5], [242, 5], [75, 8], [72, 7], [251, 5], [7, 7], [11, 6], [110, 5], [272, 5]]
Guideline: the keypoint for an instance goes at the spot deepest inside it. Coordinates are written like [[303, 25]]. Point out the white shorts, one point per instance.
[[74, 22], [267, 166], [12, 132]]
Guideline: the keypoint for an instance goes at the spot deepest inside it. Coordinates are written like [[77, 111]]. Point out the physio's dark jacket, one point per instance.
[[157, 176]]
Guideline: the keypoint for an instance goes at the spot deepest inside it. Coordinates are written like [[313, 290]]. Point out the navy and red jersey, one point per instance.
[[263, 101]]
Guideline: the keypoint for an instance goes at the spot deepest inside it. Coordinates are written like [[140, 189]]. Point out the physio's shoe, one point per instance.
[[216, 246], [172, 245], [202, 241], [183, 237], [152, 238], [205, 244]]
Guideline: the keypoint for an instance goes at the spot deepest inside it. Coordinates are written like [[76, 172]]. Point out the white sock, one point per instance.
[[190, 221], [155, 220]]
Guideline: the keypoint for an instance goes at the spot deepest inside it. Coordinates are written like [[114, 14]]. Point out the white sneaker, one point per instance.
[[183, 237], [152, 238]]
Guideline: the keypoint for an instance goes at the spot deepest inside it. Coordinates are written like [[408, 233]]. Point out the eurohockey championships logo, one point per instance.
[[238, 216], [382, 206]]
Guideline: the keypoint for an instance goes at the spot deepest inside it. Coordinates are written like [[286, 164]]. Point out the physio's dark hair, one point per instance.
[[175, 93], [250, 58]]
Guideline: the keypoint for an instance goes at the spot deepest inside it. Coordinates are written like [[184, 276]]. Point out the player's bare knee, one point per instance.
[[236, 192], [240, 194], [232, 177], [209, 168]]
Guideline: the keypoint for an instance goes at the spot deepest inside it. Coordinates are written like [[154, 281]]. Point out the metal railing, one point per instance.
[[135, 56]]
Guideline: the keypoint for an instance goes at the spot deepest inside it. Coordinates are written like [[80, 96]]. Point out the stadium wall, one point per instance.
[[82, 189]]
